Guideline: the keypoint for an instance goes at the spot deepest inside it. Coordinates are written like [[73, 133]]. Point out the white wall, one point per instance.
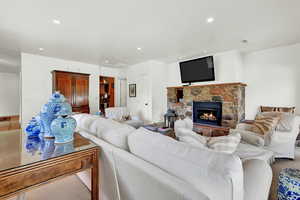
[[273, 78], [37, 82], [9, 94], [140, 75], [228, 68]]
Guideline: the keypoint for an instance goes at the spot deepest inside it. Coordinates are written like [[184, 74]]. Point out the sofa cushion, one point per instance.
[[250, 137], [285, 122], [225, 144], [118, 136], [264, 125], [205, 169], [192, 141], [84, 121]]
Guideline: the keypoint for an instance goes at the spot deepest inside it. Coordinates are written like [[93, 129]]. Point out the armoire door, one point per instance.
[[63, 84], [75, 88], [81, 90]]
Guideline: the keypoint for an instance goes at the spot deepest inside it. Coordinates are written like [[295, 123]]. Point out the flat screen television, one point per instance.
[[197, 70]]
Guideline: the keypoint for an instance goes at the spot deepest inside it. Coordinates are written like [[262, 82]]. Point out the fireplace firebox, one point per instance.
[[209, 113]]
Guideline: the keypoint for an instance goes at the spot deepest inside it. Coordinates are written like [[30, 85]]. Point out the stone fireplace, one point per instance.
[[205, 112], [228, 97]]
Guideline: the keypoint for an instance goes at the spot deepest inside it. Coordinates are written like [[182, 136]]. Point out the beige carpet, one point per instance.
[[69, 188], [278, 166]]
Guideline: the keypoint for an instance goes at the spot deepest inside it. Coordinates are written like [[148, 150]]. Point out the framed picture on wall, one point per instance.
[[132, 90]]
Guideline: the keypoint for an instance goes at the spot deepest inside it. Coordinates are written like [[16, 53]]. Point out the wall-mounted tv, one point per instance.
[[197, 70]]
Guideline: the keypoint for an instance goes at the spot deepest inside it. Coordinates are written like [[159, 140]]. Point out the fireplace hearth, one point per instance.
[[209, 113]]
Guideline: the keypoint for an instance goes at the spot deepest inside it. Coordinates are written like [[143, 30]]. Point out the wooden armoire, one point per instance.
[[75, 87]]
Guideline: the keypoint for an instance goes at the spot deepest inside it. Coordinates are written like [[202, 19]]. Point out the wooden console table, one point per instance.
[[36, 162]]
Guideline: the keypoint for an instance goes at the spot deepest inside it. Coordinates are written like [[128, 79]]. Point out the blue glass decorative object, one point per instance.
[[65, 109], [47, 148], [32, 144], [62, 149], [49, 111], [47, 116], [63, 129], [289, 184], [33, 129]]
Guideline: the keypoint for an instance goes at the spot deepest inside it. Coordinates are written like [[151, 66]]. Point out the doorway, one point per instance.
[[106, 93]]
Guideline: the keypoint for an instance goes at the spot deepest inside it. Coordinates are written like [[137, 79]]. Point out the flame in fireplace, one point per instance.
[[208, 116]]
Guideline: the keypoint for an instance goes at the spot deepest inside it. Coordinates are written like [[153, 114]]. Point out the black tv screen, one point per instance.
[[201, 69]]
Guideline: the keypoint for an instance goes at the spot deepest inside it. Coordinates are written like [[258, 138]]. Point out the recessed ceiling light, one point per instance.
[[106, 61], [56, 21], [210, 20], [41, 49], [139, 48]]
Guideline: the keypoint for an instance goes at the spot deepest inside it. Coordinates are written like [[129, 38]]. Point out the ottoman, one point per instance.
[[289, 184]]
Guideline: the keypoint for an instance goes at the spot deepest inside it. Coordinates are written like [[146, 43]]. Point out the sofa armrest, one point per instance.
[[257, 179]]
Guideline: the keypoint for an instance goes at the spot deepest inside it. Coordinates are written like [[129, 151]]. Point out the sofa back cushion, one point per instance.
[[277, 109], [225, 144], [205, 169], [118, 136]]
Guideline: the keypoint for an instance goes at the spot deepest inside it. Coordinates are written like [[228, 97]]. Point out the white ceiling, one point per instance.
[[97, 30]]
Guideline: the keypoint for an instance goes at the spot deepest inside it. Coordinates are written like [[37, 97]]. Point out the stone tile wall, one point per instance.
[[232, 95]]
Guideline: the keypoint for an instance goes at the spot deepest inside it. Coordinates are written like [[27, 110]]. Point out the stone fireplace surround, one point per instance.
[[232, 96]]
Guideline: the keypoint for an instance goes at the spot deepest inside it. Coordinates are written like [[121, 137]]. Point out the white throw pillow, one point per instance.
[[199, 167], [187, 132], [250, 137], [226, 144], [192, 141], [188, 123], [119, 136]]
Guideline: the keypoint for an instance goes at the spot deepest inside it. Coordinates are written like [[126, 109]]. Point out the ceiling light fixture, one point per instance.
[[210, 20], [106, 61], [56, 21], [139, 48], [41, 49]]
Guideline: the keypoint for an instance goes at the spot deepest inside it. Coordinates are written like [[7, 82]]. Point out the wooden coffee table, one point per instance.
[[28, 163], [211, 131]]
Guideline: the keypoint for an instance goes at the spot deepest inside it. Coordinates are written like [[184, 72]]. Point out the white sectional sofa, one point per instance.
[[141, 165]]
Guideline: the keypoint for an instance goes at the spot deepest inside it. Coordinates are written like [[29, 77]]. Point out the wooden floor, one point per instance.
[[9, 123]]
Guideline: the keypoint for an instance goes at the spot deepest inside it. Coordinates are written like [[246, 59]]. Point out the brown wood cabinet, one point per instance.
[[75, 87]]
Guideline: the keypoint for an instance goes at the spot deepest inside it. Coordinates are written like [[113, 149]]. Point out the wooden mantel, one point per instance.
[[212, 85]]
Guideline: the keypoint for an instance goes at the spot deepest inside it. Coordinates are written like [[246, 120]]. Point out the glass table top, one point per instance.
[[17, 150]]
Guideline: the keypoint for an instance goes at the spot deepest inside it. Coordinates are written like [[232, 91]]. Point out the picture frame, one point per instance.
[[132, 90]]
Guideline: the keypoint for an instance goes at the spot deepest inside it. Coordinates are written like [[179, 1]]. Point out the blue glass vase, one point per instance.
[[47, 148], [62, 149], [33, 129], [63, 129], [32, 144], [49, 111]]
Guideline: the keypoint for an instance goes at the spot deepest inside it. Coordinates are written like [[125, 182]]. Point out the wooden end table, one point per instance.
[[27, 163]]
